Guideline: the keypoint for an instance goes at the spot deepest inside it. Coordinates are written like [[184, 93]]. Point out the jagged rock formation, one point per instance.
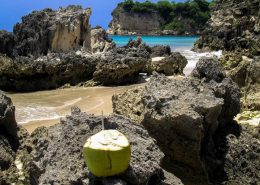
[[122, 65], [46, 72], [100, 42], [41, 55], [48, 30], [125, 23], [234, 25], [235, 28], [62, 146], [183, 114], [12, 139], [116, 66]]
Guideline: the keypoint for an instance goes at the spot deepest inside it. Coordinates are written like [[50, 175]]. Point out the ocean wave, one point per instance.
[[35, 112], [193, 58]]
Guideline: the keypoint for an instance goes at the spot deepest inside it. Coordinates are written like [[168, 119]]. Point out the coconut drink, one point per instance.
[[107, 153]]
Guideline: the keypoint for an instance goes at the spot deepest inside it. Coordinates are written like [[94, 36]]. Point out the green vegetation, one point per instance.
[[186, 16]]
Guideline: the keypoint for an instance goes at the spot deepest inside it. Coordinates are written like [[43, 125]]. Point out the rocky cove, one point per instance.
[[181, 129]]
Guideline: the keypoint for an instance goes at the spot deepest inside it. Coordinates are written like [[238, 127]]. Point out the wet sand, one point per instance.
[[45, 108]]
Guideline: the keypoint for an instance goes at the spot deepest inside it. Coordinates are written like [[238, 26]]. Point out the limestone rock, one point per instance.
[[46, 72], [122, 65], [182, 114], [12, 138], [62, 146], [210, 70], [48, 30], [125, 23], [234, 25], [100, 42], [170, 65]]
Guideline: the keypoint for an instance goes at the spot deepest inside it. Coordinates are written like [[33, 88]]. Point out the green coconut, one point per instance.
[[107, 153]]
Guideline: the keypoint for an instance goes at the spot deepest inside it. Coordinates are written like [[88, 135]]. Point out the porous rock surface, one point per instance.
[[169, 65], [45, 72], [105, 65], [234, 25], [183, 114], [122, 65], [57, 152], [56, 31], [100, 42], [12, 139]]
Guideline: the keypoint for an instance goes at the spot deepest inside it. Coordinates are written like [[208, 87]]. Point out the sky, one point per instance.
[[11, 11]]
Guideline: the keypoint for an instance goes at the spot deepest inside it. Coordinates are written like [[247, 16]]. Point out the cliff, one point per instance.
[[126, 23], [161, 18]]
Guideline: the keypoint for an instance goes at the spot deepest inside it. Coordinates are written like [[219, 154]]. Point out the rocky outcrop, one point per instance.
[[62, 146], [183, 114], [170, 65], [245, 72], [123, 65], [12, 139], [46, 72], [48, 30], [40, 55], [234, 25], [100, 42], [126, 23], [57, 31]]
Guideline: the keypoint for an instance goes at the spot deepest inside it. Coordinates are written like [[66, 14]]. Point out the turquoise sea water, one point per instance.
[[175, 42]]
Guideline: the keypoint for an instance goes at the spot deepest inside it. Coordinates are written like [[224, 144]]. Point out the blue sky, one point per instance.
[[11, 11]]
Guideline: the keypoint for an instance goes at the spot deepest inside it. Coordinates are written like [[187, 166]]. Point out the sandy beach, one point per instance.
[[45, 108]]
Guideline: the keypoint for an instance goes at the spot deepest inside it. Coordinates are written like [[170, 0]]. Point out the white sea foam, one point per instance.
[[36, 112], [193, 58]]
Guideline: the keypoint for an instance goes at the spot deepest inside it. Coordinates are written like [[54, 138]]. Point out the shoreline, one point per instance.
[[93, 100]]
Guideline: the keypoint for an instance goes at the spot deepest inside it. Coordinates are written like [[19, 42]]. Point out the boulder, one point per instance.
[[169, 65], [58, 152], [210, 70], [100, 42], [122, 65]]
